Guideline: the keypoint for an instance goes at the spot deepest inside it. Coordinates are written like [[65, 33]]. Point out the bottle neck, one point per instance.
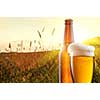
[[68, 34]]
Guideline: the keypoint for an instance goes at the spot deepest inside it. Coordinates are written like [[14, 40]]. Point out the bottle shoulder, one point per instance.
[[64, 51], [64, 48]]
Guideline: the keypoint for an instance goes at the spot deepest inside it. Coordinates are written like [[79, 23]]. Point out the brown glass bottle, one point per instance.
[[64, 58]]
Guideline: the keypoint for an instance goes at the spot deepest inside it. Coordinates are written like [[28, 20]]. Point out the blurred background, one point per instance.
[[29, 47]]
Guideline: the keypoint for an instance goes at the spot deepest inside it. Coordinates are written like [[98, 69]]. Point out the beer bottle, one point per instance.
[[64, 58]]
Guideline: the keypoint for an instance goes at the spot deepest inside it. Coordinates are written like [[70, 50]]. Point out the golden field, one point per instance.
[[40, 67]]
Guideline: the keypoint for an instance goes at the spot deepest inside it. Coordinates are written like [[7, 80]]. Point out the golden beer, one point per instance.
[[82, 62]]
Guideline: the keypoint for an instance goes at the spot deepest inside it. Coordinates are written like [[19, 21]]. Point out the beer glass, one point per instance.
[[82, 62]]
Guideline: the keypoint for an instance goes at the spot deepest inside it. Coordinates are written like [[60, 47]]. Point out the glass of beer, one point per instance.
[[82, 62]]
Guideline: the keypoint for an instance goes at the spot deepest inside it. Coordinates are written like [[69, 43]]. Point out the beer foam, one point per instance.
[[77, 49]]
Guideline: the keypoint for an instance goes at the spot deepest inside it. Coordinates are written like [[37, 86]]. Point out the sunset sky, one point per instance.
[[13, 29]]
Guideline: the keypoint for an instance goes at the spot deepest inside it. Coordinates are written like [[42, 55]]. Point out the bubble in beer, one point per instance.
[[77, 49]]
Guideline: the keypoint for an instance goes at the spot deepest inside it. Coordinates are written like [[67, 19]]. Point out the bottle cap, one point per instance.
[[68, 21]]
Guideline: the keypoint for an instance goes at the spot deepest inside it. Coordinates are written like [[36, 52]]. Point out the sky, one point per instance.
[[13, 29], [25, 28]]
